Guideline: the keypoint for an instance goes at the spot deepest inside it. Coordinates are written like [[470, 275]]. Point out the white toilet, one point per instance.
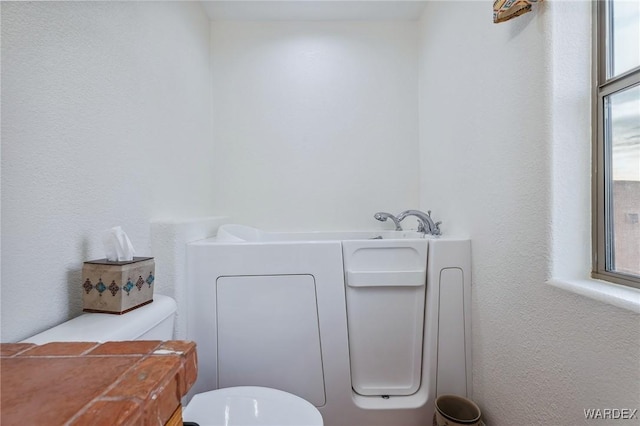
[[242, 406], [251, 406]]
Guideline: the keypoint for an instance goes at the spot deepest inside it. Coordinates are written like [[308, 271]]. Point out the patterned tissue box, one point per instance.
[[117, 287]]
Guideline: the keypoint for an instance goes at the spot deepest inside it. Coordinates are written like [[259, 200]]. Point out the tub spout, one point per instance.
[[383, 216], [426, 225]]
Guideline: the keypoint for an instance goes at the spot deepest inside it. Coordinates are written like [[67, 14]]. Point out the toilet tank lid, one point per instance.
[[96, 327]]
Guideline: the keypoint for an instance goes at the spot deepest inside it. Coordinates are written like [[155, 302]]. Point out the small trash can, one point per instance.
[[454, 410]]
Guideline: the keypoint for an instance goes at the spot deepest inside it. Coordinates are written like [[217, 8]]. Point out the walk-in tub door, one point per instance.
[[385, 290], [268, 334]]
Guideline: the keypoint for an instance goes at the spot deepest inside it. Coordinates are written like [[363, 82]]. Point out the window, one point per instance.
[[616, 159]]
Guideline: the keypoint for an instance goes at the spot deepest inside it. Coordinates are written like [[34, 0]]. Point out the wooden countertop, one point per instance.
[[83, 383]]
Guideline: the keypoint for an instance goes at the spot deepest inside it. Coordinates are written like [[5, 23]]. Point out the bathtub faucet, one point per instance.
[[425, 223], [383, 216]]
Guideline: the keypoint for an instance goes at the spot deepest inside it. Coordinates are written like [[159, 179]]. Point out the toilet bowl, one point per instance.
[[245, 405], [251, 406]]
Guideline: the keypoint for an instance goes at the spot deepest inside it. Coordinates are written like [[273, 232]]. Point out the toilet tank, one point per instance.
[[150, 322]]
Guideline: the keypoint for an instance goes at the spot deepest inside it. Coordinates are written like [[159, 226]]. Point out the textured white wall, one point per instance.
[[106, 120], [488, 147], [315, 123]]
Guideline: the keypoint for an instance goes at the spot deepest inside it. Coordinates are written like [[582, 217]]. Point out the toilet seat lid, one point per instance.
[[251, 406]]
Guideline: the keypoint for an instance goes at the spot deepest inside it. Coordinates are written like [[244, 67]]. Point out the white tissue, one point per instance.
[[117, 245]]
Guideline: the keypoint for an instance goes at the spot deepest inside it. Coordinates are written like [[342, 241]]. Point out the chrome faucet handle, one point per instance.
[[383, 216], [421, 226], [436, 228]]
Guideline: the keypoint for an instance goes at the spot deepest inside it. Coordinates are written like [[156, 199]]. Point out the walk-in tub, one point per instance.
[[368, 326]]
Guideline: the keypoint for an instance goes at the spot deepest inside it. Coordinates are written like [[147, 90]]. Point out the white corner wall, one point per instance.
[[315, 123], [488, 141], [106, 120]]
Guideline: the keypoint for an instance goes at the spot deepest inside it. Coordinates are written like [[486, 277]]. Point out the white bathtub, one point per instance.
[[369, 326]]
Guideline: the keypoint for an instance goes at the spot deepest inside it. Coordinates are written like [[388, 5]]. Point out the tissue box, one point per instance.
[[117, 287]]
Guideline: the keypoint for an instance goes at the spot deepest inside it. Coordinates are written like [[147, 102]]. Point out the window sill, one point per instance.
[[613, 294]]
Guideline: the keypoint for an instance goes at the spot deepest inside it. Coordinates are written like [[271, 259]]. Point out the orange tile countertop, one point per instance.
[[81, 383]]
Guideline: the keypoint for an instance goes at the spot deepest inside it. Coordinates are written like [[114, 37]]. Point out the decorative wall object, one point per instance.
[[503, 10]]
